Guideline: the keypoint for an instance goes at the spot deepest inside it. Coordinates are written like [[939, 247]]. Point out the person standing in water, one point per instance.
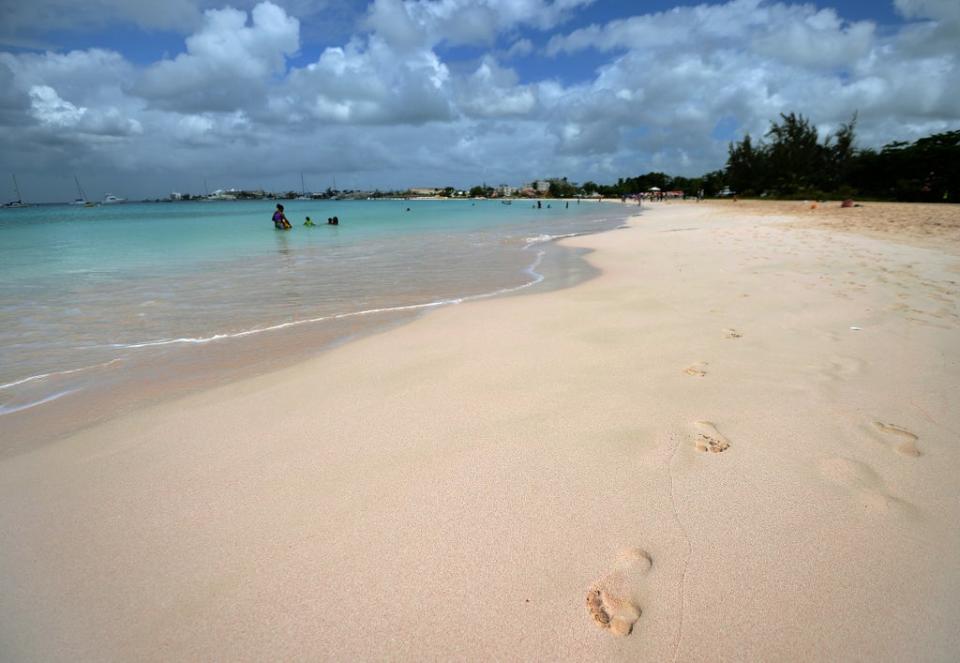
[[280, 221]]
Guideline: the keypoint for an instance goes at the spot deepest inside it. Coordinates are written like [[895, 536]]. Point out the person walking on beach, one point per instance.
[[280, 221]]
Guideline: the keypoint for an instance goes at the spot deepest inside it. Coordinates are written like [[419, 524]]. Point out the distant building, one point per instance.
[[224, 194], [506, 190], [540, 186], [424, 192], [176, 196]]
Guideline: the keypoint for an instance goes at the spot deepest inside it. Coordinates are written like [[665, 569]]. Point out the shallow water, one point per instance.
[[92, 298]]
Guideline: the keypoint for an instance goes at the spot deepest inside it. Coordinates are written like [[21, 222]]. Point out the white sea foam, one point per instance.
[[44, 376], [541, 239], [10, 409]]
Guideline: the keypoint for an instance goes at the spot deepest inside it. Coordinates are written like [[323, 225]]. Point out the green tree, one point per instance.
[[561, 188], [483, 191], [796, 159], [714, 182], [745, 166], [925, 170]]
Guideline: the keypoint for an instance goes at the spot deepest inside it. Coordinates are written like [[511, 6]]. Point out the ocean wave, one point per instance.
[[541, 239]]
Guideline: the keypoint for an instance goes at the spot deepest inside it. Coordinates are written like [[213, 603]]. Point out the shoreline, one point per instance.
[[140, 384], [740, 427]]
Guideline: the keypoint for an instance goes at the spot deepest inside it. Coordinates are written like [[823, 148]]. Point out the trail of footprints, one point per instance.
[[699, 369], [614, 601]]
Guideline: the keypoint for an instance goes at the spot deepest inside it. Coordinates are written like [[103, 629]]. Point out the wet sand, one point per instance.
[[740, 441]]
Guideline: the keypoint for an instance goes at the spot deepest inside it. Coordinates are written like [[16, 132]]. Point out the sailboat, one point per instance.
[[19, 201], [303, 190], [82, 200]]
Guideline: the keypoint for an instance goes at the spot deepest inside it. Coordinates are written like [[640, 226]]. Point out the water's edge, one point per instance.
[[202, 364]]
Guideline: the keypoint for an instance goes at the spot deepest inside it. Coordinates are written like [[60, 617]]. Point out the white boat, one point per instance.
[[110, 199], [82, 199], [19, 201]]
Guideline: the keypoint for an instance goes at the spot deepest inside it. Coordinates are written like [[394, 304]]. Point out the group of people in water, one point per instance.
[[280, 221], [540, 206]]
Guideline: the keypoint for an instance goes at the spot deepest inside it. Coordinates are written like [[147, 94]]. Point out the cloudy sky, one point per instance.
[[140, 98]]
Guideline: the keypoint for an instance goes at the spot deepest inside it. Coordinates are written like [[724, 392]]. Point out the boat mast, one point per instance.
[[303, 189], [16, 188], [83, 196]]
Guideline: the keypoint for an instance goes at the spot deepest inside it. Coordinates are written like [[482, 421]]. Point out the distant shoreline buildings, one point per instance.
[[539, 188]]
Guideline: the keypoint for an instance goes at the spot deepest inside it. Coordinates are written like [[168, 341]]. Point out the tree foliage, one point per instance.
[[481, 192], [561, 188], [794, 163]]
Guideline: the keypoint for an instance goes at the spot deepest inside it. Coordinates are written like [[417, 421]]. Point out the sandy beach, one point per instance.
[[740, 442]]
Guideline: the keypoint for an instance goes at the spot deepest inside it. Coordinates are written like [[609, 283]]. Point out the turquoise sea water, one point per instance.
[[86, 291]]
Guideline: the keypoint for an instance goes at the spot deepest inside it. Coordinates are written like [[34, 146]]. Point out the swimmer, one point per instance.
[[308, 222], [280, 221]]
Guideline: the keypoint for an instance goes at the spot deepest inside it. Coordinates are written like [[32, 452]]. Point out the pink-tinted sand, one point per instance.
[[740, 442]]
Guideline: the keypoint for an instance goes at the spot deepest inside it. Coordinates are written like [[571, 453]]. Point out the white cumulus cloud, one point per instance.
[[365, 82], [227, 62], [56, 113]]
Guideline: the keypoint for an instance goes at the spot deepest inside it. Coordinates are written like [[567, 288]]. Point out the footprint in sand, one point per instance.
[[908, 441], [839, 368], [614, 601], [697, 370], [710, 439], [732, 333], [863, 482]]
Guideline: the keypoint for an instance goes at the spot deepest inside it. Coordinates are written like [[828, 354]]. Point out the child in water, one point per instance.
[[280, 221], [308, 222]]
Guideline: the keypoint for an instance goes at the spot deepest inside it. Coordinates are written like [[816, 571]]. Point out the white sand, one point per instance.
[[461, 487]]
